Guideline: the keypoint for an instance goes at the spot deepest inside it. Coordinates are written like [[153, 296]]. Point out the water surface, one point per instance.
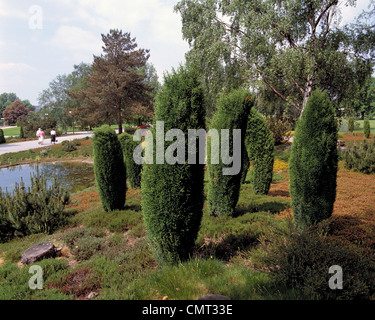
[[75, 176]]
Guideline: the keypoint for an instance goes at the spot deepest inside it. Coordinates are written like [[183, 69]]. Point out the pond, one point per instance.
[[75, 176]]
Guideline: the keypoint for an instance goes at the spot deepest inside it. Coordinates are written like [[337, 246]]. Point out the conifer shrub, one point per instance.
[[361, 158], [351, 125], [366, 128], [259, 144], [22, 134], [133, 170], [313, 162], [35, 209], [109, 169], [2, 138], [172, 194], [223, 190]]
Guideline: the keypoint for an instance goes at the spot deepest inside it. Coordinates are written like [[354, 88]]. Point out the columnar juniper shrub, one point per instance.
[[109, 169], [2, 138], [366, 128], [36, 209], [259, 144], [223, 190], [172, 195], [313, 162], [133, 170]]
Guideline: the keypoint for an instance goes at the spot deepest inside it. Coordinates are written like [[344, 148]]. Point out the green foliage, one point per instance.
[[133, 170], [22, 134], [31, 124], [361, 157], [313, 162], [2, 138], [301, 260], [223, 190], [172, 195], [259, 144], [274, 41], [109, 168], [280, 129], [36, 209], [68, 146], [351, 125], [366, 128]]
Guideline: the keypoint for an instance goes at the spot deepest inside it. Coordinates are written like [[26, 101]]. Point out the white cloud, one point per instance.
[[80, 42], [15, 67]]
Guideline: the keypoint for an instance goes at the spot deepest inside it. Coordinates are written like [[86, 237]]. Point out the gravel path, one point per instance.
[[33, 144]]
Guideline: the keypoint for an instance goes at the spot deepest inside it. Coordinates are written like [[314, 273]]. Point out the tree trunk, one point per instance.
[[119, 119], [308, 90]]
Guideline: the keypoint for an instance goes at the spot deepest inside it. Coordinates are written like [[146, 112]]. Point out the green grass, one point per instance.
[[15, 131], [108, 253], [50, 152], [361, 122]]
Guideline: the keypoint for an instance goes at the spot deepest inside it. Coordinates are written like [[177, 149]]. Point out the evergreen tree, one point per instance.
[[366, 128], [313, 162], [172, 194], [116, 82], [133, 170], [109, 169], [260, 147], [223, 190]]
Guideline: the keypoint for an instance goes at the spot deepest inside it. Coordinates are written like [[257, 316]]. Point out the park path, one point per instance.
[[33, 144]]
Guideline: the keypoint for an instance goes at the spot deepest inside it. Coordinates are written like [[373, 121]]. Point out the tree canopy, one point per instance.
[[284, 48], [118, 79]]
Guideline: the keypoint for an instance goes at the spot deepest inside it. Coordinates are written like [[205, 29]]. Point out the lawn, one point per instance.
[[106, 255], [14, 132]]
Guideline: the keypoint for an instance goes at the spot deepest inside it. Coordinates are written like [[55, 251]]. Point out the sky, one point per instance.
[[41, 39]]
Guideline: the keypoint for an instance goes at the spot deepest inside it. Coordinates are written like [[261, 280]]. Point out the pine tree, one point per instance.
[[223, 190], [109, 169], [172, 194], [115, 83], [313, 162]]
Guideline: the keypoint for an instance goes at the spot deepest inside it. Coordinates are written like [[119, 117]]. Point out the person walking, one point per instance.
[[37, 134], [41, 136], [53, 136]]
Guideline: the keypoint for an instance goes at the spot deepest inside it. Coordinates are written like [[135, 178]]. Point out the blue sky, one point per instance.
[[40, 39]]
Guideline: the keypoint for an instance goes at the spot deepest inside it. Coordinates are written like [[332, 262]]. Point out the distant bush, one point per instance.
[[361, 157], [36, 209], [68, 146], [259, 144], [109, 168], [223, 190], [351, 124], [313, 162], [366, 128], [281, 129], [133, 170], [2, 138]]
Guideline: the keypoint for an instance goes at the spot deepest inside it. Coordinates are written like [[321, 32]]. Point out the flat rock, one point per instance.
[[214, 297], [39, 252]]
